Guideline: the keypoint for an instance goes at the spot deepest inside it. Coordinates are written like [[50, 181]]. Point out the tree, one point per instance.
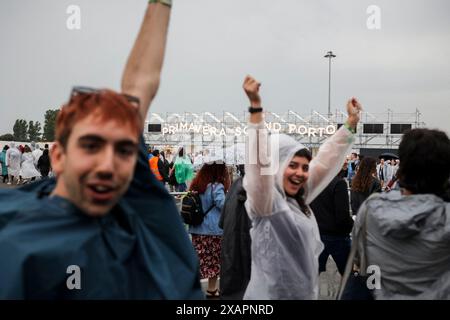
[[23, 130], [7, 137], [34, 131], [20, 130], [16, 130], [49, 125], [38, 128]]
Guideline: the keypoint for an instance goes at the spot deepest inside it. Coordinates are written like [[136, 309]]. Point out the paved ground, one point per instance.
[[329, 282], [4, 186]]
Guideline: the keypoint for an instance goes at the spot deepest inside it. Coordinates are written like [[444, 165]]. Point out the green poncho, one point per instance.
[[184, 170]]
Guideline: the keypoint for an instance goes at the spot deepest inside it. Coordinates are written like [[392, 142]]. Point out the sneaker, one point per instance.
[[212, 294]]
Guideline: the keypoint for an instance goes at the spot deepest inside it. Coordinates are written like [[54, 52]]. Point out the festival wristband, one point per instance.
[[254, 110], [351, 129], [166, 2]]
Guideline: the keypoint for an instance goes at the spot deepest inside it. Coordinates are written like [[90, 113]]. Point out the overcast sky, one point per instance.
[[213, 44]]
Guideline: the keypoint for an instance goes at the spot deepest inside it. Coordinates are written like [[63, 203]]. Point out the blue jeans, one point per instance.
[[338, 247], [182, 187]]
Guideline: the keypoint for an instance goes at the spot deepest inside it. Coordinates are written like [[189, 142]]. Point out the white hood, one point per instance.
[[287, 149]]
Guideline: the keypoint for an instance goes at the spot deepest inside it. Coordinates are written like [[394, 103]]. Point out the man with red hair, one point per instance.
[[105, 229]]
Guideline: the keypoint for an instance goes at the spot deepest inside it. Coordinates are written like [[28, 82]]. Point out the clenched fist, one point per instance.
[[354, 109], [251, 88]]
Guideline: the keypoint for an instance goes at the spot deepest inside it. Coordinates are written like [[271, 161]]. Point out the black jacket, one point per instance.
[[332, 209], [357, 198], [43, 165], [163, 171], [236, 253]]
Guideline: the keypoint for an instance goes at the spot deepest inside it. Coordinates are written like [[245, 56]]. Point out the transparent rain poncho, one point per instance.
[[285, 242]]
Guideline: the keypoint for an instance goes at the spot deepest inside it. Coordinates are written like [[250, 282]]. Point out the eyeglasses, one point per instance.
[[78, 90]]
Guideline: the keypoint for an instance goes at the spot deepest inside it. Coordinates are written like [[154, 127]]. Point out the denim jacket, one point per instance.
[[214, 194]]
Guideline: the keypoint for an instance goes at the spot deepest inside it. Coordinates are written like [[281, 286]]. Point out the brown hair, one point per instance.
[[210, 173], [364, 176], [105, 104]]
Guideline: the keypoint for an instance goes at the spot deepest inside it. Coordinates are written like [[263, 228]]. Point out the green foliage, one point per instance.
[[7, 137], [34, 131], [49, 125], [20, 130]]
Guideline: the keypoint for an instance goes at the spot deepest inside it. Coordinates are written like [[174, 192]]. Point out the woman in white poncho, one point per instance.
[[285, 237], [13, 158], [27, 168]]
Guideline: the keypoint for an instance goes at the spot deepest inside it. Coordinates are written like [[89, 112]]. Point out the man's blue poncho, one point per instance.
[[140, 250]]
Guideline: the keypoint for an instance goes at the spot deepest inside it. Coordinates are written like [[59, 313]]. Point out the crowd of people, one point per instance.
[[24, 163], [106, 227]]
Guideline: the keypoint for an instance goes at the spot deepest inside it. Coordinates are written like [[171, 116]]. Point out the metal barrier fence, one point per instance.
[[177, 196]]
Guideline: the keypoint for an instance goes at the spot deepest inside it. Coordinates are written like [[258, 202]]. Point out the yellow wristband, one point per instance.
[[166, 2]]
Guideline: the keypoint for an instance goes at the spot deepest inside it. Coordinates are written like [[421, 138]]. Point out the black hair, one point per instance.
[[424, 161], [241, 170], [304, 153], [155, 152], [301, 202]]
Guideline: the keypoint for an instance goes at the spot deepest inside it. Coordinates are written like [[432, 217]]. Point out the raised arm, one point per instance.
[[142, 72], [331, 156], [259, 186]]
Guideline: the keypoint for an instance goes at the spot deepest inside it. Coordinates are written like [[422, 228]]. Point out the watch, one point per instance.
[[254, 110]]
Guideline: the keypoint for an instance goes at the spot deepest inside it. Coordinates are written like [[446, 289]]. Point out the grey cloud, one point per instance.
[[213, 44]]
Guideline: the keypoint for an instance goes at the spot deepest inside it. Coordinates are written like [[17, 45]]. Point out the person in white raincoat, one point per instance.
[[36, 152], [13, 158], [285, 237], [27, 169]]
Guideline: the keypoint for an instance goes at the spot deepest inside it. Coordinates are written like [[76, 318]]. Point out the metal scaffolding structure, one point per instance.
[[200, 131]]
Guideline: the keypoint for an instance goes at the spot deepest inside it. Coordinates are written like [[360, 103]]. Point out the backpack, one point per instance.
[[191, 209]]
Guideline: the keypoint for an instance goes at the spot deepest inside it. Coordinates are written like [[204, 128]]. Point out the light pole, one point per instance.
[[329, 55]]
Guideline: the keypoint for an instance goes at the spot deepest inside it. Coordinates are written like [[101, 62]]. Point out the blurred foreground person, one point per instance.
[[108, 229], [405, 235]]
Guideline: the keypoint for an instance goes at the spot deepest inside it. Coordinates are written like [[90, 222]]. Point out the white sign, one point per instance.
[[207, 130]]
